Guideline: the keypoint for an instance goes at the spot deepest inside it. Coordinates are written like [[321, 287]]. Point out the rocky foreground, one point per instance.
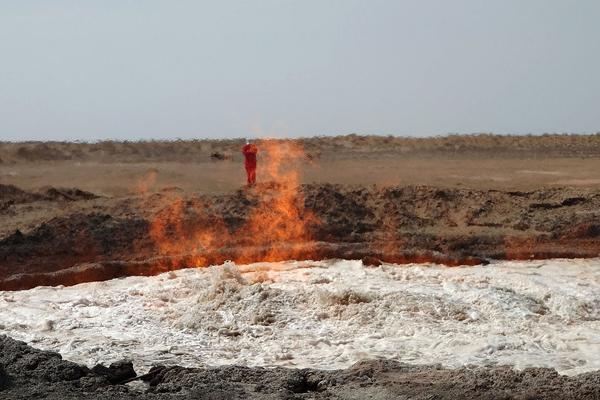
[[69, 236], [29, 373]]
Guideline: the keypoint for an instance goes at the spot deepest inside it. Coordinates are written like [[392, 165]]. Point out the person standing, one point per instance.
[[249, 151]]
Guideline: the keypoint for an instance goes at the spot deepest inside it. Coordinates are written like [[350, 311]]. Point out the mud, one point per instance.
[[97, 239], [26, 373]]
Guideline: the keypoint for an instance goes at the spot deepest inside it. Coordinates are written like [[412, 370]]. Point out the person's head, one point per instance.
[[247, 141]]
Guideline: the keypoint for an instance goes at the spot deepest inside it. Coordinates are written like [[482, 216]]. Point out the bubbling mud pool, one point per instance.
[[326, 314]]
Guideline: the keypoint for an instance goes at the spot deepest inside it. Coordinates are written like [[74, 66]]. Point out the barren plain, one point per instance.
[[83, 212]]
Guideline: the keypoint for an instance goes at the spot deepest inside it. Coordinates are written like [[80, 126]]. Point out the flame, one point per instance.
[[145, 183], [519, 248], [390, 241], [280, 218], [275, 226]]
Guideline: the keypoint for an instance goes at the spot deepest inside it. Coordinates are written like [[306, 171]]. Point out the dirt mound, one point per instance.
[[68, 194], [271, 223], [350, 213], [346, 147], [41, 152], [10, 194], [67, 241], [27, 373]]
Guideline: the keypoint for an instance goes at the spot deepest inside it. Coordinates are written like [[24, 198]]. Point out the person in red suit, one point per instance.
[[250, 151]]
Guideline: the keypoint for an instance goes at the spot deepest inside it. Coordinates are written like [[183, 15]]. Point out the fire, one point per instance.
[[146, 182], [275, 226], [172, 233], [280, 218], [390, 240]]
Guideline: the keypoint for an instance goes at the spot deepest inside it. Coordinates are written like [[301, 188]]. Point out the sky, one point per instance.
[[125, 69]]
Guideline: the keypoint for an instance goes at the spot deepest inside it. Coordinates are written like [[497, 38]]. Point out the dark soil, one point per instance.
[[12, 195], [28, 373], [394, 224]]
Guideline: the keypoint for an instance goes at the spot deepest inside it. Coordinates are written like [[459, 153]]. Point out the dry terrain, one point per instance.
[[213, 166], [80, 212], [74, 212]]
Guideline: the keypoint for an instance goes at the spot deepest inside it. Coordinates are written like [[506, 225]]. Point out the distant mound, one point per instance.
[[319, 147], [41, 152], [11, 195]]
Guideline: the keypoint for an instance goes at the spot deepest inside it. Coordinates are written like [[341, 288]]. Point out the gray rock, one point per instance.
[[28, 373]]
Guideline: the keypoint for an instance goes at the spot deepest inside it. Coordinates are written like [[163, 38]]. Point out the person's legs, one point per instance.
[[252, 176]]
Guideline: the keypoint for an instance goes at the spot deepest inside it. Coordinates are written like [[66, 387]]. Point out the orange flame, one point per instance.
[[280, 218], [145, 183], [276, 227]]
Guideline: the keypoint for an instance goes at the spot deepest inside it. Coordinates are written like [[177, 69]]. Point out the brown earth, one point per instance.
[[67, 236], [213, 166], [454, 200]]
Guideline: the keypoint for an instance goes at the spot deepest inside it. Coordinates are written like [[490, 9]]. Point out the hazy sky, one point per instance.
[[167, 69]]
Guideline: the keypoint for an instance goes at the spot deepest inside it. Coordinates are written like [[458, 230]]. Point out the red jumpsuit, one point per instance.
[[250, 151]]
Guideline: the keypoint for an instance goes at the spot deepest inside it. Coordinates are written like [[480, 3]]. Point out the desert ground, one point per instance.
[[73, 213], [213, 166], [119, 208]]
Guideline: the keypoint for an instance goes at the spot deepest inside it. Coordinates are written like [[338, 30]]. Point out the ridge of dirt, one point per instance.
[[10, 195], [348, 146], [26, 372], [400, 224]]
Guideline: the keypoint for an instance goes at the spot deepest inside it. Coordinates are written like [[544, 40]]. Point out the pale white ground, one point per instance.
[[325, 314]]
